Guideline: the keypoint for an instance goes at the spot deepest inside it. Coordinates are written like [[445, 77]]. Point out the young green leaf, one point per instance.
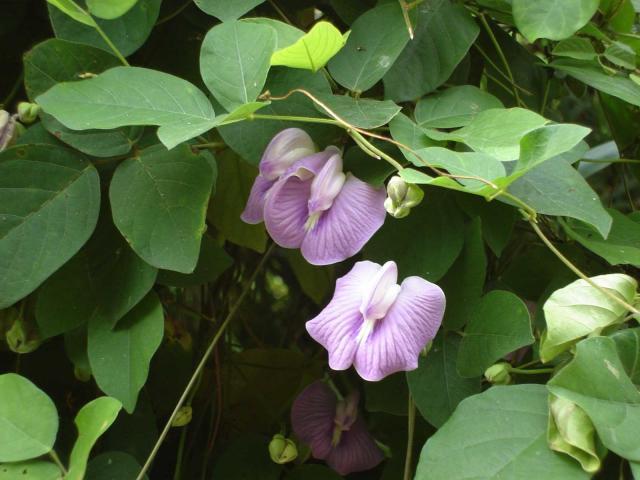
[[91, 421], [71, 8], [552, 19], [28, 420], [313, 50], [575, 47]]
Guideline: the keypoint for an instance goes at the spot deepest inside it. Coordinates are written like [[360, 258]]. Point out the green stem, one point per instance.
[[174, 14], [210, 145], [411, 425], [113, 48], [203, 362], [613, 160], [534, 371], [291, 118], [14, 90], [56, 460], [405, 14]]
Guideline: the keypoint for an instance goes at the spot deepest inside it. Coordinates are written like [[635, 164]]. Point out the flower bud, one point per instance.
[[7, 129], [28, 112], [499, 374], [401, 197], [185, 414], [22, 337], [285, 149], [282, 450], [81, 374]]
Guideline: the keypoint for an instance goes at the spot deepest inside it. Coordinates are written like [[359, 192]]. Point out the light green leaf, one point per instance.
[[552, 19], [31, 470], [376, 40], [596, 381], [54, 61], [635, 470], [242, 112], [622, 55], [71, 8], [314, 50], [499, 434], [575, 47], [436, 386], [91, 421], [128, 32], [546, 142], [579, 309], [360, 112], [113, 466], [591, 73], [120, 357], [110, 9], [556, 188], [28, 420], [234, 61], [132, 96], [159, 200], [499, 325], [49, 199], [619, 248], [628, 347], [444, 32], [405, 131], [454, 107], [285, 34], [226, 10], [101, 283]]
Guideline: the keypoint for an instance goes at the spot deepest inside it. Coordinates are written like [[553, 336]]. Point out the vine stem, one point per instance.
[[56, 460], [111, 45], [196, 374], [411, 426], [576, 270], [534, 371]]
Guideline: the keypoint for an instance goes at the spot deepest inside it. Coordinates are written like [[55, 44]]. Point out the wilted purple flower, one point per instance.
[[326, 213], [334, 430], [286, 148], [375, 324], [7, 129]]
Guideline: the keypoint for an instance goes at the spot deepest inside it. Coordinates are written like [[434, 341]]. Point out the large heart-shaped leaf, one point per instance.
[[552, 19]]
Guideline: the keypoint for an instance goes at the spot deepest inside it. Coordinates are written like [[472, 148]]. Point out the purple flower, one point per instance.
[[326, 213], [286, 148], [375, 324], [334, 430]]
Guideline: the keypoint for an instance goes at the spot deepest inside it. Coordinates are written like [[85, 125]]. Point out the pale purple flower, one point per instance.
[[334, 430], [375, 324], [286, 148], [326, 213]]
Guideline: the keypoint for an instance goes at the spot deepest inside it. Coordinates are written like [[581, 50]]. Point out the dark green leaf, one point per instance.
[[226, 10], [454, 107], [360, 112], [113, 466], [628, 347], [552, 19], [246, 457]]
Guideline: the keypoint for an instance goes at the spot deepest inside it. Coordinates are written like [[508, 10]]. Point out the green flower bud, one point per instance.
[[185, 414], [282, 450], [81, 374], [28, 112], [401, 197], [499, 374], [22, 337], [7, 129]]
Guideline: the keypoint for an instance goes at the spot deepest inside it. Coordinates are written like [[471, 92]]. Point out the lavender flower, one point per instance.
[[334, 430], [286, 148], [326, 213], [375, 324]]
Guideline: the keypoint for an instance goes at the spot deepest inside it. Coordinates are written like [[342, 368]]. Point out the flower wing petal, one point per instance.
[[254, 211], [356, 452], [337, 326], [342, 230], [312, 417], [398, 338]]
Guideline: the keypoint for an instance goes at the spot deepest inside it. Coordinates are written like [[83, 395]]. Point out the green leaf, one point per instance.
[[110, 9], [246, 457], [575, 47], [546, 142], [499, 325], [159, 200], [436, 386], [132, 96], [552, 19], [405, 131], [285, 34], [579, 309], [32, 470], [497, 219], [439, 225], [75, 345], [101, 283], [628, 347], [622, 55], [235, 179], [444, 32], [498, 434], [389, 395], [621, 245], [454, 107], [376, 40], [496, 132], [72, 9], [226, 10], [591, 73], [91, 421], [464, 282], [212, 262], [312, 472], [360, 112], [54, 61], [314, 50], [120, 357], [50, 198], [128, 32], [234, 61], [28, 420], [556, 188], [596, 381], [316, 281], [113, 466]]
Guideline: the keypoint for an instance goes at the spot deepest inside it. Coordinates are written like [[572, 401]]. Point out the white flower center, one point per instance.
[[325, 187], [379, 296]]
